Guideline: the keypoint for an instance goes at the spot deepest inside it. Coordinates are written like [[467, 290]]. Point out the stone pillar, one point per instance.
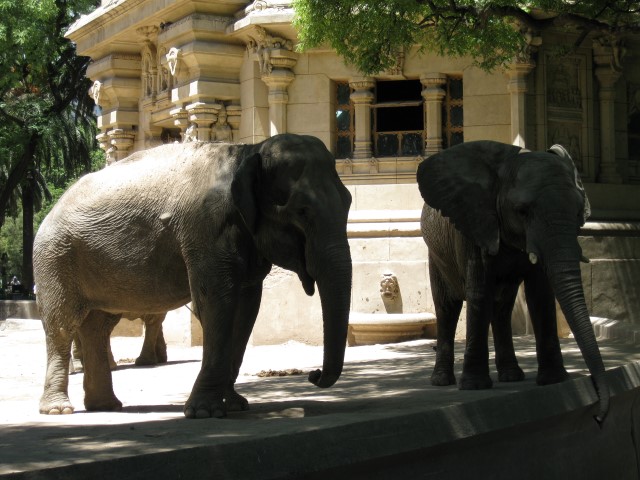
[[278, 81], [362, 98], [517, 88], [203, 115], [120, 142], [433, 94], [607, 71]]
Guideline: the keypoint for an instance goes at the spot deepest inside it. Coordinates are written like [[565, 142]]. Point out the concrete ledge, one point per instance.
[[381, 420]]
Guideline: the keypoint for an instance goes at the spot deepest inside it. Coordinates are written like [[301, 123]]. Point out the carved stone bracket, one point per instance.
[[119, 143], [203, 115], [271, 51]]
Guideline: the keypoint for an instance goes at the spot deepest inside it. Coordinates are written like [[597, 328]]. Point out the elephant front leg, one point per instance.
[[244, 321], [506, 361], [542, 308], [480, 289], [215, 302]]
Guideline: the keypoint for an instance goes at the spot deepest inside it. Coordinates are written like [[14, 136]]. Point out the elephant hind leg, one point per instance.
[[95, 334], [55, 398], [154, 348]]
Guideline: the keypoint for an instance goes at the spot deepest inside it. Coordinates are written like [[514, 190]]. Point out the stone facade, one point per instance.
[[183, 70]]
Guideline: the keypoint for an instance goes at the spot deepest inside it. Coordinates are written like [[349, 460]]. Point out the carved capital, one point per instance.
[[432, 83]]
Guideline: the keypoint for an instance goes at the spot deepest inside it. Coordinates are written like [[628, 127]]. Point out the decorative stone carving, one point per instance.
[[95, 92], [271, 51], [389, 287], [563, 87], [173, 60], [120, 142], [203, 115], [222, 130], [190, 134]]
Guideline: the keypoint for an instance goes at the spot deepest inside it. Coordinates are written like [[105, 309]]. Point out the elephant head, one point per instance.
[[292, 201], [500, 195]]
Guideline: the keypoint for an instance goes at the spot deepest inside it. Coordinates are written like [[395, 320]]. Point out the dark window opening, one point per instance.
[[398, 119]]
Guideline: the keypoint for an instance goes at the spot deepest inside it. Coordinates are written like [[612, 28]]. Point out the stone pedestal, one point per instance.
[[203, 115]]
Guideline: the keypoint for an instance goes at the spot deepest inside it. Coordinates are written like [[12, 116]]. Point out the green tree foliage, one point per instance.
[[369, 33], [46, 114]]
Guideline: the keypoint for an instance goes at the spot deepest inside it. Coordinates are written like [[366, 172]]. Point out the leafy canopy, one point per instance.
[[369, 33], [46, 115]]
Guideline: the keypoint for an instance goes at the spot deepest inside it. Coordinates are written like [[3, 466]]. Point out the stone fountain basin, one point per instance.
[[376, 328]]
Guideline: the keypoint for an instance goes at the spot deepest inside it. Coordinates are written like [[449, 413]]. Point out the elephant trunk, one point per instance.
[[563, 269], [332, 272]]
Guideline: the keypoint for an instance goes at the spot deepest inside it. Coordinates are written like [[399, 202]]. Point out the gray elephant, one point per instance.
[[199, 222], [496, 215]]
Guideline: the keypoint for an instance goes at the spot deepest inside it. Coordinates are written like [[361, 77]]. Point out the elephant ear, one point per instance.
[[244, 189], [560, 151], [462, 183]]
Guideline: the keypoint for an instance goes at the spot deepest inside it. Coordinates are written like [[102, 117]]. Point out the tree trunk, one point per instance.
[[27, 236]]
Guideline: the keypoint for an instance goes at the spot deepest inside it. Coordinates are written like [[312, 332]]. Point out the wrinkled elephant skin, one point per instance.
[[496, 215], [199, 222]]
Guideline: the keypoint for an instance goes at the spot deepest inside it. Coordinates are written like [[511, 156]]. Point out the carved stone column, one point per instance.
[[120, 142], [362, 98], [517, 88], [278, 81], [433, 93], [608, 70], [203, 115], [276, 59]]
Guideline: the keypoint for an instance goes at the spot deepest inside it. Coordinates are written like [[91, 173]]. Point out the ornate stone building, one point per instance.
[[188, 70]]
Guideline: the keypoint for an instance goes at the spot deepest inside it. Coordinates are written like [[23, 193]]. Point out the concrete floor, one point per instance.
[[381, 420]]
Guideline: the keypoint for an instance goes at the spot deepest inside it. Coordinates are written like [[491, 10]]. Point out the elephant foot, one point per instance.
[[205, 405], [550, 376], [475, 382], [59, 405], [161, 354], [511, 374], [146, 361], [234, 402], [110, 404], [442, 378]]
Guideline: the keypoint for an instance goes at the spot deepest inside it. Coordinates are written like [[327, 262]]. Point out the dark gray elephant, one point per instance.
[[516, 215], [200, 222]]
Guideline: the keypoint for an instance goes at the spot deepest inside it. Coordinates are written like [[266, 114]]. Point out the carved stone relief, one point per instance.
[[566, 107], [263, 44]]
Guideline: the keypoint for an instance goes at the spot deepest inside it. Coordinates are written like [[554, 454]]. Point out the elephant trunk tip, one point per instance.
[[602, 389], [322, 380]]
